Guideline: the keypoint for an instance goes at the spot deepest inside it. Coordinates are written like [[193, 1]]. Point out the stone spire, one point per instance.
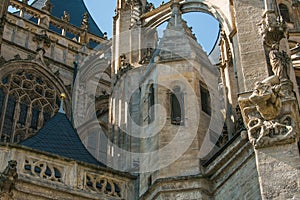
[[178, 40]]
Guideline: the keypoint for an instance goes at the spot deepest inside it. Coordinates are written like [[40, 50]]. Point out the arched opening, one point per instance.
[[28, 99], [284, 12], [177, 106]]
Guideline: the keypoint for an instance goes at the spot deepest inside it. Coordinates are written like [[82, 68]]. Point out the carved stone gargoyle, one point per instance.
[[271, 113], [7, 180]]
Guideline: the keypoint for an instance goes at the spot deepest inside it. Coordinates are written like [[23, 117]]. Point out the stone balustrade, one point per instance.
[[83, 37], [61, 174]]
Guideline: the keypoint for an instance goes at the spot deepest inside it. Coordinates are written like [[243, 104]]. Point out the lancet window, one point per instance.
[[177, 106]]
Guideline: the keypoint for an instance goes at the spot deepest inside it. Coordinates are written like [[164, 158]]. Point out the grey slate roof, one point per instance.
[[76, 9], [59, 137]]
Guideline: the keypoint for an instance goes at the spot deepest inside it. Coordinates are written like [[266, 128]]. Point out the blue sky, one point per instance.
[[204, 26]]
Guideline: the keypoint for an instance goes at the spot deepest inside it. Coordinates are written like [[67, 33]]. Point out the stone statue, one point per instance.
[[85, 21], [66, 17], [266, 98], [280, 62], [7, 179], [42, 41], [272, 28], [47, 6]]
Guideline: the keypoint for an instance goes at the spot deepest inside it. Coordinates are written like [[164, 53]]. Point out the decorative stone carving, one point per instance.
[[266, 98], [66, 17], [272, 28], [149, 7], [85, 22], [271, 113], [43, 169], [280, 62], [29, 89], [124, 67], [103, 185], [43, 41], [147, 56], [7, 180], [47, 6]]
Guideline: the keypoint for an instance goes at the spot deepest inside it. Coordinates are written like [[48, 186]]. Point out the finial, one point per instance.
[[176, 13], [63, 96], [85, 21], [66, 17], [47, 6]]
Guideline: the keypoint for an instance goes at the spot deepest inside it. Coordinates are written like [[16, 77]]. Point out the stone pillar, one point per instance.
[[3, 10], [271, 115], [252, 53]]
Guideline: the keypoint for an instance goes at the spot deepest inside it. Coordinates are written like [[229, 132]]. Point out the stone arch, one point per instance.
[[30, 95], [156, 19]]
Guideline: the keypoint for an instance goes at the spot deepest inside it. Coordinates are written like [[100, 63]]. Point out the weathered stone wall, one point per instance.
[[234, 173], [181, 188], [242, 184], [278, 169], [251, 50]]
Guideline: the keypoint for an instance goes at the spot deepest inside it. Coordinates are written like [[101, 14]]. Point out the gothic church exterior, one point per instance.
[[144, 116]]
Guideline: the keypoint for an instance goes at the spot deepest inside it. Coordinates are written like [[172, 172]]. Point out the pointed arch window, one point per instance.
[[177, 106], [26, 102], [284, 11]]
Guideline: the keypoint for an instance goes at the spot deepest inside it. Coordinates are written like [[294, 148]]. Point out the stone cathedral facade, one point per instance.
[[144, 116]]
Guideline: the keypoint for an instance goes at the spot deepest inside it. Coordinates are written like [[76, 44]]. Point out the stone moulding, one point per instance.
[[271, 114]]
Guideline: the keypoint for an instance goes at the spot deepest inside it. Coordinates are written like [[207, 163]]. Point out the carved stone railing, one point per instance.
[[60, 24], [37, 169], [103, 185], [42, 169]]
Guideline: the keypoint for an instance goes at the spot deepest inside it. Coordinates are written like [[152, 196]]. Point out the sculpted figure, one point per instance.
[[279, 62], [66, 17], [85, 21], [266, 99], [8, 178]]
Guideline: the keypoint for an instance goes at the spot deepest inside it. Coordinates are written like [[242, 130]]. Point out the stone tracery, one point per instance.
[[29, 97]]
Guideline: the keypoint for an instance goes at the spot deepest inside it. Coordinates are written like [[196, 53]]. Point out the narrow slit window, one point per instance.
[[151, 104], [205, 100], [177, 106]]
